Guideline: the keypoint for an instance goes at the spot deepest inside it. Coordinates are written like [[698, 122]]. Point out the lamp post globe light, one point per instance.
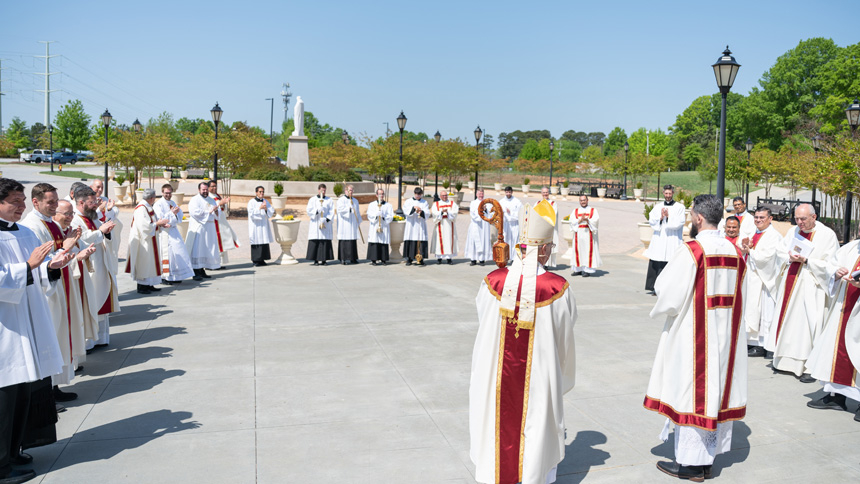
[[725, 70], [551, 147], [216, 118], [345, 137], [438, 138], [478, 133], [106, 119], [401, 125], [749, 146], [853, 114], [136, 125], [51, 148], [626, 150]]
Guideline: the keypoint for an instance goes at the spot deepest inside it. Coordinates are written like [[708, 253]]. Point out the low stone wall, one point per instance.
[[296, 189]]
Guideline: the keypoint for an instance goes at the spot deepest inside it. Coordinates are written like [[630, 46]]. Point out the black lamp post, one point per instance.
[[749, 146], [51, 136], [271, 118], [816, 145], [437, 137], [216, 118], [725, 71], [626, 151], [345, 137], [853, 114], [551, 147], [478, 134], [401, 125], [106, 118]]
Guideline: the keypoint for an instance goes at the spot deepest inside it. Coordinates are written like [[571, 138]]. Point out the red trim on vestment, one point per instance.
[[700, 329], [843, 370], [692, 420], [547, 286], [737, 312], [59, 237], [158, 260], [511, 401]]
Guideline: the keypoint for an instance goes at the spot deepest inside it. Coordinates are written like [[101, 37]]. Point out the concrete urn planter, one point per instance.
[[471, 185], [279, 203], [637, 192], [553, 190], [183, 227], [286, 233], [645, 233], [183, 174], [497, 187], [396, 228], [457, 196], [179, 198], [525, 189], [601, 192], [567, 235], [119, 192]]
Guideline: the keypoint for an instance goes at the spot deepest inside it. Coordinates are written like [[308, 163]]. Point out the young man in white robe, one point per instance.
[[416, 210], [202, 241], [699, 377], [108, 211], [379, 214], [444, 240], [320, 209], [259, 227], [584, 221], [348, 227], [144, 260], [226, 236], [550, 264], [28, 341], [801, 292], [745, 219], [479, 247], [667, 221], [511, 211], [835, 356], [760, 298], [105, 294], [175, 262], [523, 362]]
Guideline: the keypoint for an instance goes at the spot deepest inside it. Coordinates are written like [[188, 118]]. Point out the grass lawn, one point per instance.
[[70, 174]]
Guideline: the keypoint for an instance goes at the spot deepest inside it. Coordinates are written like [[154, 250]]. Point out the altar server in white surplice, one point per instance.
[[544, 193], [105, 296], [379, 214], [320, 209], [260, 211], [479, 247], [801, 291], [523, 362], [175, 262], [511, 210], [443, 240], [667, 221], [202, 241], [747, 224], [348, 227], [699, 377], [107, 211], [144, 262], [586, 249], [226, 235], [762, 266], [416, 210]]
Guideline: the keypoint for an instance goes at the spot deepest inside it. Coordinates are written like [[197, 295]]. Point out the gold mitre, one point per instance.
[[537, 223]]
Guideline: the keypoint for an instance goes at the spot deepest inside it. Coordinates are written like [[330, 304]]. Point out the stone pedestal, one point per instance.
[[297, 152]]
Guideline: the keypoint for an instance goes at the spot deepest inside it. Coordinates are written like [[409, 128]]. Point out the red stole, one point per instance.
[[158, 261], [843, 371], [733, 240], [58, 237], [217, 214], [790, 279], [107, 307], [590, 239], [442, 246]]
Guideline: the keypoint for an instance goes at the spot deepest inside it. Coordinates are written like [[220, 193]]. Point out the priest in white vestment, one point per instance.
[[320, 209], [108, 211], [380, 214], [28, 341], [801, 291], [745, 219], [523, 362], [511, 210], [699, 377], [416, 210], [105, 296], [202, 240], [444, 241], [667, 221], [226, 235], [348, 227], [550, 264], [835, 356], [479, 247], [762, 266], [144, 262], [175, 262], [586, 249], [260, 211]]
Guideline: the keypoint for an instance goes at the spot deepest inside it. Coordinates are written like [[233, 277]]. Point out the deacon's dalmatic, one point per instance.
[[762, 267], [175, 262]]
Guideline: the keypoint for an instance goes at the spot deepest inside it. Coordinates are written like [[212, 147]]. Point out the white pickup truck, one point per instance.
[[37, 156]]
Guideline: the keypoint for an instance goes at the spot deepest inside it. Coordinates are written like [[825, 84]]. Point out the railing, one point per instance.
[[782, 208]]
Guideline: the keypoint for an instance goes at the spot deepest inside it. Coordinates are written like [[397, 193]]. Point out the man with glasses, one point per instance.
[[760, 296]]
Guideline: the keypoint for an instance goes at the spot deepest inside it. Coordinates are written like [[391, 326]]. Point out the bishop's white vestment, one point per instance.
[[479, 247], [444, 240], [202, 241], [586, 251], [175, 262]]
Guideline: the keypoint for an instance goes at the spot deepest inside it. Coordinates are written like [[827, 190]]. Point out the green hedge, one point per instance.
[[303, 173]]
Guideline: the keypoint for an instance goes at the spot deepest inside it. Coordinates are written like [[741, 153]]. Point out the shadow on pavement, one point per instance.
[[581, 455], [140, 381], [114, 359]]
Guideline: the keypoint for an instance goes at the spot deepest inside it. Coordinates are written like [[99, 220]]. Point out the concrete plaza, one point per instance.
[[360, 374]]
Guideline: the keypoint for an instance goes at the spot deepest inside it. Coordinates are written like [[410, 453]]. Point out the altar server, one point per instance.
[[260, 211], [320, 209], [444, 241], [348, 227], [379, 214]]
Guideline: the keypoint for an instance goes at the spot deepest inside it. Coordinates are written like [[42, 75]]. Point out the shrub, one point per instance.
[[338, 189], [446, 184], [119, 179], [648, 209], [279, 189], [526, 181], [565, 183], [458, 185]]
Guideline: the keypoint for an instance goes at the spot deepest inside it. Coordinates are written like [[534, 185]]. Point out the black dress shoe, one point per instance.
[[343, 262], [60, 408], [197, 278], [22, 459], [316, 263], [481, 263], [154, 289], [438, 261], [756, 351], [409, 262], [323, 263], [18, 476], [263, 263], [472, 263], [708, 471], [807, 378], [829, 402], [62, 396], [141, 289], [693, 473], [385, 263], [450, 262], [373, 262], [79, 370], [166, 282], [585, 274], [204, 275]]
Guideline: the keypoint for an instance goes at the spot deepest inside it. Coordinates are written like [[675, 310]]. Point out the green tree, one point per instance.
[[164, 124], [511, 143], [655, 141], [693, 156], [614, 141], [568, 151], [72, 128], [18, 134], [840, 85]]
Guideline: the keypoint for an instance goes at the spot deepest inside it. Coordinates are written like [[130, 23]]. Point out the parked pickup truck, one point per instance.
[[37, 156]]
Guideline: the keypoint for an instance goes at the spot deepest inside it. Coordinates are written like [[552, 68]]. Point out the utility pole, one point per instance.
[[1, 95], [271, 119], [47, 75], [387, 131], [285, 97]]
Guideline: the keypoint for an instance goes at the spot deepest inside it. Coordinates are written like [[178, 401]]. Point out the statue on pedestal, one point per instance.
[[299, 117]]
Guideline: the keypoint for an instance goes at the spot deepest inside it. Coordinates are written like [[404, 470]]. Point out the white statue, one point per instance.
[[299, 117]]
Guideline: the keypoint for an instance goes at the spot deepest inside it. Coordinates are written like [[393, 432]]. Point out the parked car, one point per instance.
[[85, 156], [62, 157], [37, 156]]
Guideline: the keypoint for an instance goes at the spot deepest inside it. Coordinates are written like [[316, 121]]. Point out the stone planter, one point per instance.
[[211, 174], [183, 174], [111, 173], [286, 233], [183, 228], [174, 183], [601, 193], [645, 233], [567, 235], [637, 192], [168, 174], [471, 185], [457, 196], [396, 229], [497, 187], [179, 198], [553, 190], [279, 203], [525, 189], [119, 192]]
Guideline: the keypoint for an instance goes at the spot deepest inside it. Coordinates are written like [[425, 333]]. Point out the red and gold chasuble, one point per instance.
[[58, 237], [790, 280], [843, 371], [107, 307], [516, 341], [702, 303], [158, 261], [576, 215]]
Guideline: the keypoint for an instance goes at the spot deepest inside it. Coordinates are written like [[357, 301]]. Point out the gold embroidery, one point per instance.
[[697, 415], [526, 399], [499, 399], [554, 297]]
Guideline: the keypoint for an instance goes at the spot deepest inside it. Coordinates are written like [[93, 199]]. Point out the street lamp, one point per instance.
[[437, 137], [106, 118], [853, 114], [216, 118], [271, 118], [345, 137], [136, 125], [401, 124], [551, 147], [626, 150], [816, 145], [478, 134], [51, 136], [749, 146], [725, 71]]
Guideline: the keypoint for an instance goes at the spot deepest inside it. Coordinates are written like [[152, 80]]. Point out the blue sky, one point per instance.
[[450, 66]]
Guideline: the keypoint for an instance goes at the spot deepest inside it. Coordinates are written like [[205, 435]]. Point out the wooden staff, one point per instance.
[[500, 248]]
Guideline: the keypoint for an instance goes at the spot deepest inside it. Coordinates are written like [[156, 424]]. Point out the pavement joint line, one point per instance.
[[254, 356]]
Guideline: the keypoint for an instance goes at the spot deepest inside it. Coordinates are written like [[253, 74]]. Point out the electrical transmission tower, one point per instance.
[[286, 95], [47, 75], [1, 95]]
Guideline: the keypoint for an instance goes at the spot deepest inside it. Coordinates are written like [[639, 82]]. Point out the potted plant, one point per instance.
[[471, 182], [286, 231], [183, 173], [458, 195], [279, 201], [567, 234], [637, 192], [645, 230], [553, 190], [174, 183], [497, 186], [168, 173], [119, 190], [566, 190], [178, 197], [338, 189], [526, 186], [446, 184], [396, 228]]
